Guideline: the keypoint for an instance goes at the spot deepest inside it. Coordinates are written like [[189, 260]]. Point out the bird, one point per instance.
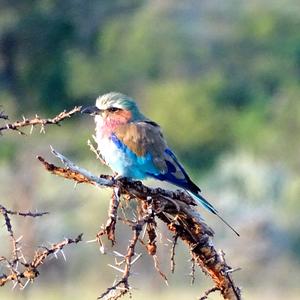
[[134, 147]]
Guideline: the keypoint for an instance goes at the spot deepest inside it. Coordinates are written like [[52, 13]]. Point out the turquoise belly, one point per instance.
[[126, 163]]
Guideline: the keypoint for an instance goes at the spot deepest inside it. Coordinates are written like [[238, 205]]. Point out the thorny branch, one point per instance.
[[20, 271], [175, 209], [37, 121]]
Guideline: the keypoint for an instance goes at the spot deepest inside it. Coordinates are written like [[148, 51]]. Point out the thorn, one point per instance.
[[116, 268], [136, 259], [24, 259], [120, 288], [102, 249], [63, 254], [144, 232], [233, 270], [52, 150], [19, 239], [118, 254], [14, 285], [91, 241], [42, 129], [26, 283]]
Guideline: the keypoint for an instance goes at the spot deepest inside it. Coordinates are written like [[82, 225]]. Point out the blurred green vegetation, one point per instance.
[[222, 79]]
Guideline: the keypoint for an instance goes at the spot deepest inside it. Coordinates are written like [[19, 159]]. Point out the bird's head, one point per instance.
[[114, 107]]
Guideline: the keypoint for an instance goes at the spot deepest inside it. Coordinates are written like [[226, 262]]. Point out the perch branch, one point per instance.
[[175, 209]]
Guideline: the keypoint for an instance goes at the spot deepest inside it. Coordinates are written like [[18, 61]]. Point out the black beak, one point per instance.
[[91, 110]]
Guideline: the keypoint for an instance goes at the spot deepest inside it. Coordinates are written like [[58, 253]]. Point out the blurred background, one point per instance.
[[221, 77]]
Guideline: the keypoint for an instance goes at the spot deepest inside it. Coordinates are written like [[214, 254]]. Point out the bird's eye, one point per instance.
[[113, 109]]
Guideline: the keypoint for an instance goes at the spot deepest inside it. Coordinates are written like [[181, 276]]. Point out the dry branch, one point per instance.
[[110, 226], [18, 269], [175, 209], [37, 121]]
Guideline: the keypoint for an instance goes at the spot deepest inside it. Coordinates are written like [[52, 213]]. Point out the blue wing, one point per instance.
[[176, 174]]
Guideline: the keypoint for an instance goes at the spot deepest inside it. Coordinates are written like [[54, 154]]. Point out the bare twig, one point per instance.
[[38, 121], [40, 256], [23, 214], [95, 151], [175, 209], [214, 289], [157, 268], [193, 270], [173, 253]]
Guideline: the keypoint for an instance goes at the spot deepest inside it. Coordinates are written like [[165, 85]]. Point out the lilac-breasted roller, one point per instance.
[[133, 146]]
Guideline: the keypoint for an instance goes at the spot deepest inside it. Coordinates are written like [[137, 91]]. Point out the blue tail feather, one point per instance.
[[209, 207], [201, 200]]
